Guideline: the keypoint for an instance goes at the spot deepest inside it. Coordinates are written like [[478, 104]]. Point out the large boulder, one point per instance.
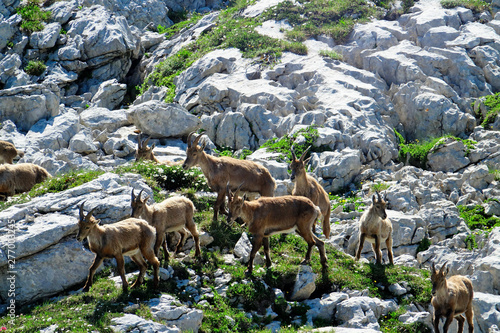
[[151, 117], [26, 105]]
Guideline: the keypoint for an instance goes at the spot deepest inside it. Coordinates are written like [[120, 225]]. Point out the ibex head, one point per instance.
[[438, 279], [193, 152], [298, 166], [144, 152], [138, 204], [378, 206], [234, 203], [85, 223]]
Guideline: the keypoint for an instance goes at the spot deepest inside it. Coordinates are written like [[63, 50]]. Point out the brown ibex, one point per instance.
[[17, 178], [451, 298], [172, 214], [8, 152], [146, 153], [131, 237], [224, 170], [307, 186], [375, 227], [268, 216]]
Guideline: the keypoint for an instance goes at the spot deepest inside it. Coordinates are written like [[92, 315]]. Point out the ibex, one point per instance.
[[172, 214], [268, 216], [131, 237], [144, 152], [450, 298], [307, 186], [17, 178], [8, 152], [224, 170], [375, 227]]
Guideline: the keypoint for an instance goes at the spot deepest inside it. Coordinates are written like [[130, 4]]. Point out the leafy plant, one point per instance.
[[496, 173], [492, 104], [476, 219], [390, 324], [285, 143], [424, 245], [63, 182], [32, 16], [35, 67], [379, 187]]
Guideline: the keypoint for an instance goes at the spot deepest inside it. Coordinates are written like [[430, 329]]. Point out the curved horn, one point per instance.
[[89, 215], [133, 195], [82, 215], [140, 193], [146, 142], [378, 195], [238, 190], [195, 142], [189, 139], [228, 192], [139, 141], [293, 153], [433, 268], [304, 154], [443, 267]]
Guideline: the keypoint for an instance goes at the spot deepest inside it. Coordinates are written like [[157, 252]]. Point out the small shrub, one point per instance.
[[35, 67], [285, 143], [492, 104], [379, 187], [349, 203], [32, 16], [496, 173], [390, 324], [331, 54], [424, 245], [476, 219]]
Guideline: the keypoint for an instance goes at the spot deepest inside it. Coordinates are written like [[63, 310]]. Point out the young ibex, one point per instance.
[[172, 214], [268, 216], [144, 152], [131, 237], [375, 227], [450, 298], [8, 152], [224, 170], [17, 178], [309, 187]]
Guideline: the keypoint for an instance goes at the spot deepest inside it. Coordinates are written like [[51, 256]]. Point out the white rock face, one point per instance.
[[184, 318], [363, 312], [130, 323], [305, 284]]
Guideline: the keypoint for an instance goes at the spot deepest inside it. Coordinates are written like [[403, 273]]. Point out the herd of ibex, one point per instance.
[[142, 235]]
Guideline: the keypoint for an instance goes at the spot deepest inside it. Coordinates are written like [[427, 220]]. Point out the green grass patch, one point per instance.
[[284, 144], [476, 219], [32, 16], [477, 6], [379, 187], [335, 18], [349, 203], [391, 324], [331, 54], [496, 173], [63, 182], [418, 151], [492, 104], [35, 67]]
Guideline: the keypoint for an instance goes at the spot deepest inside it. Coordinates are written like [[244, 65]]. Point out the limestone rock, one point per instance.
[[305, 283], [151, 116], [165, 308]]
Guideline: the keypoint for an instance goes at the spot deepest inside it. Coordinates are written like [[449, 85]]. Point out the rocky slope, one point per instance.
[[418, 74]]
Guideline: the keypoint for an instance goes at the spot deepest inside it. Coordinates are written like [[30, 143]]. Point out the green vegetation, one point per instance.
[[32, 16], [424, 245], [477, 6], [348, 203], [418, 151], [330, 54], [334, 18], [230, 30], [63, 182], [285, 143], [379, 187], [239, 154], [391, 324], [492, 104], [478, 222], [35, 67], [183, 21], [496, 173]]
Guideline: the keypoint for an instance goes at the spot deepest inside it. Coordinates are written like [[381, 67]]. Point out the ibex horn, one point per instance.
[[189, 139], [195, 142], [146, 142], [293, 153], [89, 215], [238, 190], [443, 267], [304, 154], [82, 216], [228, 192], [378, 195], [133, 195], [139, 143]]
